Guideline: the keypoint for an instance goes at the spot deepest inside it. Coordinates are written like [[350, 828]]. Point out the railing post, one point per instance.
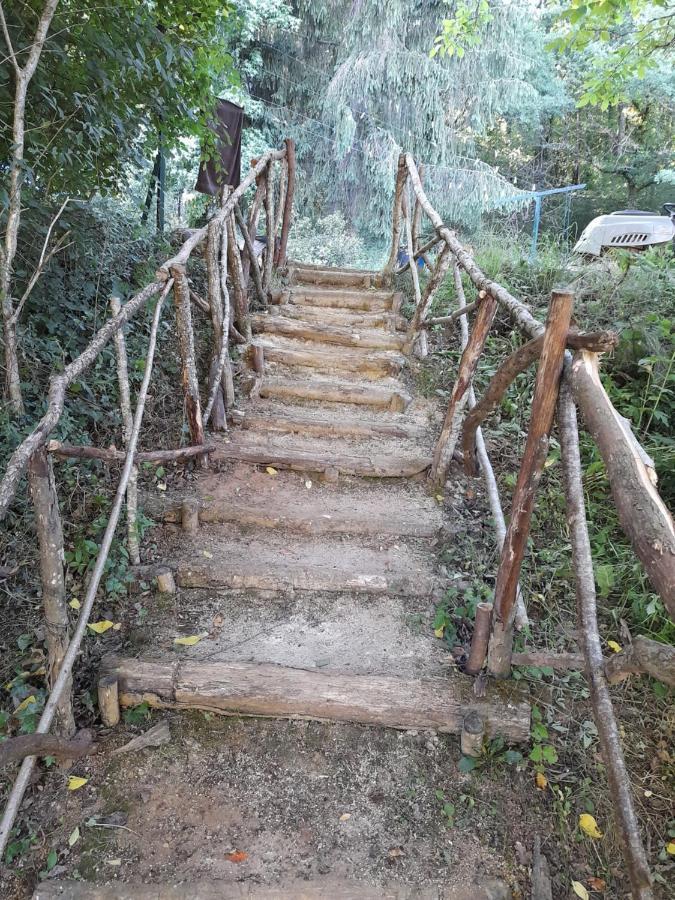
[[401, 178], [288, 206], [452, 425], [531, 468], [50, 544], [186, 344], [269, 229]]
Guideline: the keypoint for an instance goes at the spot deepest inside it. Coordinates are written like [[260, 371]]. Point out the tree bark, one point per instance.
[[133, 543], [249, 261], [269, 229], [50, 543], [69, 451], [186, 345], [603, 712], [237, 276], [17, 748], [531, 468], [643, 656], [22, 78], [253, 216], [288, 206], [401, 178], [445, 446], [643, 515], [219, 334]]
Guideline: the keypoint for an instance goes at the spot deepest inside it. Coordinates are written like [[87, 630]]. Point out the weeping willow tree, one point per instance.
[[356, 84]]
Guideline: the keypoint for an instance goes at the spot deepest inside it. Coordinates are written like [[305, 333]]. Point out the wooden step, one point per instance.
[[326, 358], [365, 301], [270, 561], [306, 274], [300, 889], [348, 318], [255, 689], [331, 391], [249, 497], [269, 419], [406, 464], [327, 334]]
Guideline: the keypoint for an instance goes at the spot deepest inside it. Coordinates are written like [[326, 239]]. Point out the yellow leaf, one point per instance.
[[670, 848], [207, 554], [101, 627], [439, 498], [271, 470], [439, 631], [188, 641], [580, 890], [74, 603], [24, 704], [589, 826], [614, 646], [541, 781], [75, 782], [345, 817]]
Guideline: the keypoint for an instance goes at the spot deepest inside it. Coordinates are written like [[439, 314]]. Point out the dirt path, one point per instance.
[[317, 552]]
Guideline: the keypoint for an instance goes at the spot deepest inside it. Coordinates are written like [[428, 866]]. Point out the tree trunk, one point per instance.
[[50, 543], [186, 346], [401, 178], [133, 543], [216, 309], [269, 228], [531, 468], [288, 206]]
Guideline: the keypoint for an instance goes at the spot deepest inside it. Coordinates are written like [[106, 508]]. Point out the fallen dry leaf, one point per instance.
[[580, 890], [75, 782], [670, 848], [345, 816], [188, 641], [541, 781], [101, 627], [74, 603], [614, 646], [237, 856], [154, 737], [597, 884], [24, 703], [395, 852], [271, 470], [589, 826], [207, 554], [439, 631]]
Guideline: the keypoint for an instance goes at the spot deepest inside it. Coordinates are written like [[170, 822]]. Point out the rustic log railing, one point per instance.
[[570, 382], [226, 262]]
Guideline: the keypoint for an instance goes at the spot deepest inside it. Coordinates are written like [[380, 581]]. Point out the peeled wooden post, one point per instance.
[[401, 178], [253, 215], [288, 205], [269, 228], [249, 261], [280, 205], [133, 543], [193, 412], [445, 446], [480, 639], [472, 734], [50, 543], [190, 516], [166, 583], [218, 419], [417, 213], [414, 271], [237, 275], [591, 643], [108, 700], [531, 468], [436, 279]]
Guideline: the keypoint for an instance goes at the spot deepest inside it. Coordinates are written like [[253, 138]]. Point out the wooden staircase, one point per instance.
[[314, 516]]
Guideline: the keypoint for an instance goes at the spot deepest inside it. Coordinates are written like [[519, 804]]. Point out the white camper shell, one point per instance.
[[627, 229]]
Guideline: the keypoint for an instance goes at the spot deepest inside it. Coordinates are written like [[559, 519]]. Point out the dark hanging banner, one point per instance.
[[225, 168]]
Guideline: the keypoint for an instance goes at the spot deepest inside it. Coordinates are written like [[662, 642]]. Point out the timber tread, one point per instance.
[[327, 334], [271, 417], [322, 457], [349, 318], [268, 561], [371, 301], [325, 357], [324, 390]]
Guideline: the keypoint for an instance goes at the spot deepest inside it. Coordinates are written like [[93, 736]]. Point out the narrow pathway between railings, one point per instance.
[[308, 568]]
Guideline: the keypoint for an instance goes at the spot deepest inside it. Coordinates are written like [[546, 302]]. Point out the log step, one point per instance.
[[327, 334], [251, 498], [259, 689], [271, 420], [325, 358], [363, 301], [373, 465], [348, 318], [301, 889], [328, 391], [304, 274], [271, 561]]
